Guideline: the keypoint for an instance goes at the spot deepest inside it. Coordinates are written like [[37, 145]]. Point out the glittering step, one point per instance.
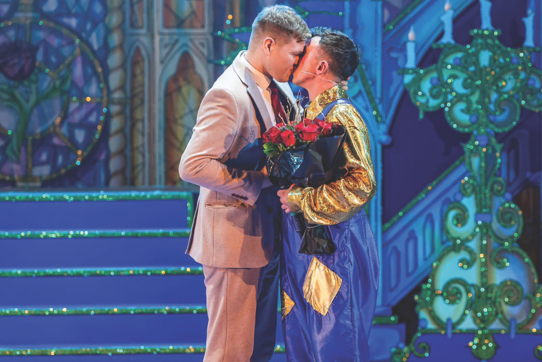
[[110, 351], [39, 196], [102, 311], [103, 252], [99, 210], [100, 272], [90, 234], [39, 332], [136, 290], [194, 357], [107, 351], [103, 330], [379, 320]]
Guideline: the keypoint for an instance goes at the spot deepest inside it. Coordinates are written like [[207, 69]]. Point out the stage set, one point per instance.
[[98, 99]]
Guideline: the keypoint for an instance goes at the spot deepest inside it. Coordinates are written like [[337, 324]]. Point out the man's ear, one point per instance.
[[268, 44], [323, 67]]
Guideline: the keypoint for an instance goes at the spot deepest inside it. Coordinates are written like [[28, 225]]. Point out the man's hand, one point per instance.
[[344, 84], [283, 195]]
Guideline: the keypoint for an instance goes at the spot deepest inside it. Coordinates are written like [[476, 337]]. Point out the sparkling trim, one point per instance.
[[22, 273], [181, 233], [109, 351], [102, 311]]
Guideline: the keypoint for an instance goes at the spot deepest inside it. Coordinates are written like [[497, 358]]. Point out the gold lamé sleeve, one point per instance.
[[340, 200]]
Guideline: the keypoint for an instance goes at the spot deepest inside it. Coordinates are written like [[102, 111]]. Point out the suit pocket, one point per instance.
[[223, 201], [225, 206]]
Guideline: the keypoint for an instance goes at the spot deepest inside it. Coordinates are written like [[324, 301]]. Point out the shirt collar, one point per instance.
[[261, 80], [323, 99]]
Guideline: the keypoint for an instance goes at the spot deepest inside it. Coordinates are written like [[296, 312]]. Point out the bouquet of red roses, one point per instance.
[[283, 137], [306, 154], [303, 153]]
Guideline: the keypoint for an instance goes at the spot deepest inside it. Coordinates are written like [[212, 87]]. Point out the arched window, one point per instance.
[[137, 119], [184, 93]]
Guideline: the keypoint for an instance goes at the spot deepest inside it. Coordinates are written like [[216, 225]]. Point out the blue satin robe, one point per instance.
[[339, 331], [342, 334]]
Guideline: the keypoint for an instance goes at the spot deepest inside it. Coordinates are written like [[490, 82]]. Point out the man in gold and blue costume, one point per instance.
[[328, 301]]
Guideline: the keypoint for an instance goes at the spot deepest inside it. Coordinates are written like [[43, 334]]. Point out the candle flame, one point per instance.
[[448, 6], [411, 34]]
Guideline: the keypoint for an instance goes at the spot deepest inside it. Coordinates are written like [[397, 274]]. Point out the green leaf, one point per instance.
[[270, 149]]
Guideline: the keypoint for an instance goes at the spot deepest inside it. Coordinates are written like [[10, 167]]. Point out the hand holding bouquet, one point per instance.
[[305, 154]]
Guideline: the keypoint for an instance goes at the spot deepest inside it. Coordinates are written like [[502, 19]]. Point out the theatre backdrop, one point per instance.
[[98, 99]]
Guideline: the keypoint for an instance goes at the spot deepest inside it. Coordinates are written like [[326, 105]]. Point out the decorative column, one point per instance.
[[117, 83]]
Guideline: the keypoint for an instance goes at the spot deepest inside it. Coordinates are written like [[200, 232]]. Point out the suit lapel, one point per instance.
[[252, 88]]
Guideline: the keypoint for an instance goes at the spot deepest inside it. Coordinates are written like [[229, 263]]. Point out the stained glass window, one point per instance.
[[184, 14], [184, 93]]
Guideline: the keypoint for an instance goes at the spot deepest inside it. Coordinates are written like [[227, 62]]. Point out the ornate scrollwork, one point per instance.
[[421, 349], [509, 225], [481, 87], [531, 95], [483, 345], [459, 225], [497, 185]]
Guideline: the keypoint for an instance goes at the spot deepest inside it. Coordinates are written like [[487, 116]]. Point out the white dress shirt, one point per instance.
[[263, 83]]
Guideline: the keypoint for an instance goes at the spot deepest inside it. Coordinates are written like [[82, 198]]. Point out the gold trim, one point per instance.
[[286, 304], [321, 286]]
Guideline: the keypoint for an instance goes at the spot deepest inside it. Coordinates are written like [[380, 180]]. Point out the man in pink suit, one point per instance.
[[237, 221]]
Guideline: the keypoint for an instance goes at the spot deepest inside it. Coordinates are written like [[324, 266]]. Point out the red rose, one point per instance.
[[299, 127], [272, 135], [327, 129], [280, 125], [311, 128], [310, 133], [288, 138], [307, 121]]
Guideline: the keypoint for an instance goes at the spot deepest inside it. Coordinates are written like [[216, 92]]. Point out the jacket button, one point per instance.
[[270, 210]]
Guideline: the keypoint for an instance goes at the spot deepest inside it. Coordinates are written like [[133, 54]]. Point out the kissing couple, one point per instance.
[[242, 233]]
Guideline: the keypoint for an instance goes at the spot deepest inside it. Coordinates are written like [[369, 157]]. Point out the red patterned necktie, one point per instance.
[[280, 114]]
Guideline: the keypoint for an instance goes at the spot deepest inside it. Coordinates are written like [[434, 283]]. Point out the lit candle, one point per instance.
[[411, 49], [447, 19], [529, 42], [485, 11]]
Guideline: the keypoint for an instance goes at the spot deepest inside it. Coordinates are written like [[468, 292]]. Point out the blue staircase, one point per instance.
[[89, 275], [413, 239]]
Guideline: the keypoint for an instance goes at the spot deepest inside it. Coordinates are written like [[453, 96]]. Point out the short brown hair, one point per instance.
[[282, 21]]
